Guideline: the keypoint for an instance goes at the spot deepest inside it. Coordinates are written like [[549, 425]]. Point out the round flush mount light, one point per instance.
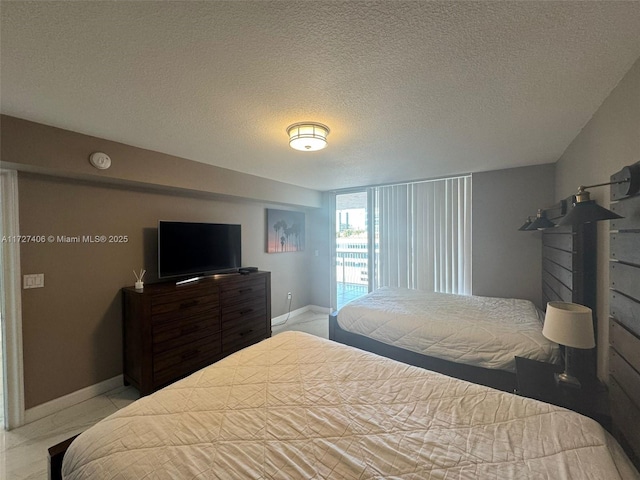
[[308, 136]]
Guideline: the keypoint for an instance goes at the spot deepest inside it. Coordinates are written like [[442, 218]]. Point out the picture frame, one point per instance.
[[285, 231]]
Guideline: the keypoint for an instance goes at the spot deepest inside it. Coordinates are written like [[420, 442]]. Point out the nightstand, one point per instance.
[[536, 380]]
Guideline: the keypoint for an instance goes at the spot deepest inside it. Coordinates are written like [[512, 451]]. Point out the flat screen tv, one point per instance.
[[194, 249]]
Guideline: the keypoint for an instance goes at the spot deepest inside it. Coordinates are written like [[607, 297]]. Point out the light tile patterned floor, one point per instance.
[[23, 451], [311, 322]]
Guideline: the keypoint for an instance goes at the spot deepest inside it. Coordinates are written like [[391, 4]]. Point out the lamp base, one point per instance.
[[567, 380]]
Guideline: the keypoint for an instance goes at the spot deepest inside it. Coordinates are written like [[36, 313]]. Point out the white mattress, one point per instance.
[[299, 407], [482, 331]]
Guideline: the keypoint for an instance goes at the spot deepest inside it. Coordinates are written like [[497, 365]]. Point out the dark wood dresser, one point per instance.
[[171, 331]]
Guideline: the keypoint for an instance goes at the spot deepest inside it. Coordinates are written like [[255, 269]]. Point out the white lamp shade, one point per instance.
[[569, 324], [308, 136]]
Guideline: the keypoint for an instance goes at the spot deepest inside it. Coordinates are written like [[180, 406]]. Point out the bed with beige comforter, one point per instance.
[[300, 407]]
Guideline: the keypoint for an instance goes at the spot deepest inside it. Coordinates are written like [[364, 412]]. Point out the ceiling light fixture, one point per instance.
[[308, 136]]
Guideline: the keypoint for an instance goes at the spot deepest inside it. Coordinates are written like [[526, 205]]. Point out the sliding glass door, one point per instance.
[[412, 235], [352, 247]]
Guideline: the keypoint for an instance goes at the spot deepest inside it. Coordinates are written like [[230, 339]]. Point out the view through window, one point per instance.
[[352, 244]]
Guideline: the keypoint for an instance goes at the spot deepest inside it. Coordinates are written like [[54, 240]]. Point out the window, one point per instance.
[[414, 235], [423, 235]]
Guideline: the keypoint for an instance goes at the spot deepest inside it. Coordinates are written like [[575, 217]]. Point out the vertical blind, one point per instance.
[[423, 235]]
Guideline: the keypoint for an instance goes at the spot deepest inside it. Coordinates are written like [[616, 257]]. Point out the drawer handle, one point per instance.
[[244, 312], [192, 303], [190, 354], [188, 330], [246, 332]]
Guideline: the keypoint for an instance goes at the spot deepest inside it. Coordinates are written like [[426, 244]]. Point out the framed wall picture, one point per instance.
[[285, 231]]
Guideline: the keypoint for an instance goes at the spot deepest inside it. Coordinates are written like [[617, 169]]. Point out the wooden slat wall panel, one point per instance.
[[562, 274], [624, 325], [562, 241], [562, 258], [624, 247], [630, 210], [626, 376], [549, 295], [625, 278], [564, 293], [626, 416], [625, 310], [626, 344]]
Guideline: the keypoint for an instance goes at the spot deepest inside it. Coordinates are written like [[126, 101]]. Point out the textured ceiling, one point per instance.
[[410, 90]]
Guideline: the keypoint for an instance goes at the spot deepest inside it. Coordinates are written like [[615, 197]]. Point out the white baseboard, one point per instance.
[[58, 404], [275, 321]]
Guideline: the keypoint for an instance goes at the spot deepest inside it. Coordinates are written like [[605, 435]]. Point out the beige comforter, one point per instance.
[[486, 332], [299, 407]]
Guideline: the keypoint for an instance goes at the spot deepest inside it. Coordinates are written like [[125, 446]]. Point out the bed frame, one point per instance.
[[568, 274], [624, 309]]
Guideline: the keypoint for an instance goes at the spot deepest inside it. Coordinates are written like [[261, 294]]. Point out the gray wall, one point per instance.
[[608, 142], [72, 326], [320, 240], [507, 262]]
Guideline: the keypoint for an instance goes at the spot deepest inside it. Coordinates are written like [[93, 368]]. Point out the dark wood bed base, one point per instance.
[[624, 321], [499, 379], [56, 455]]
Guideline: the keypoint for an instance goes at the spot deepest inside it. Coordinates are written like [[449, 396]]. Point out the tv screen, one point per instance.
[[186, 248]]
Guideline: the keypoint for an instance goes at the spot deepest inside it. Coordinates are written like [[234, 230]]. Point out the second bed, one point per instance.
[[471, 337]]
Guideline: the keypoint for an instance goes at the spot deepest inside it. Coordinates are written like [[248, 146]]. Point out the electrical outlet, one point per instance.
[[289, 296]]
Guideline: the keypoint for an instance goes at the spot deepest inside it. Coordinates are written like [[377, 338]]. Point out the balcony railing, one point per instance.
[[350, 291]]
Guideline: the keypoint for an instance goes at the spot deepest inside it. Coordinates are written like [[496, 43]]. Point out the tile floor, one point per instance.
[[311, 322], [23, 451]]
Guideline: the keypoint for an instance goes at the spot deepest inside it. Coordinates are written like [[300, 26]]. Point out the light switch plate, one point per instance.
[[35, 280]]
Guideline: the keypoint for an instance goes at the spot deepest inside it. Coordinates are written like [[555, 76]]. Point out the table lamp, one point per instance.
[[571, 325]]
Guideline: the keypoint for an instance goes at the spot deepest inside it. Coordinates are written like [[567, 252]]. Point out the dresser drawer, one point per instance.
[[243, 291], [185, 307], [238, 312], [244, 333], [168, 335], [183, 293], [186, 356]]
